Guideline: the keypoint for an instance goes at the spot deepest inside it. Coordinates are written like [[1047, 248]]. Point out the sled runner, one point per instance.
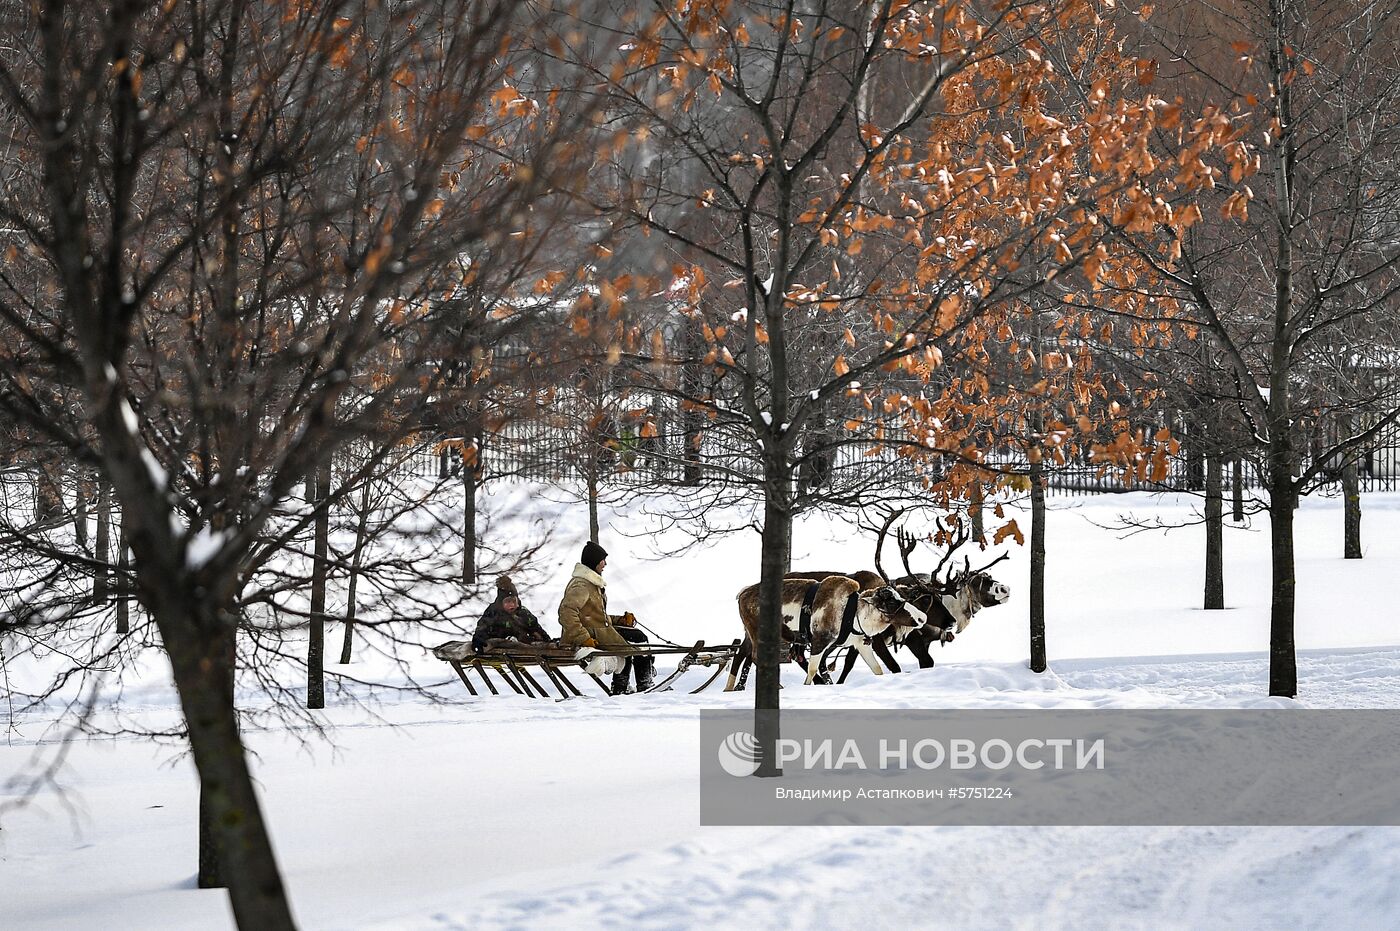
[[512, 662]]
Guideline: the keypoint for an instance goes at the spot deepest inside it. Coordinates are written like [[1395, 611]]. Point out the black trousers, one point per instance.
[[642, 665]]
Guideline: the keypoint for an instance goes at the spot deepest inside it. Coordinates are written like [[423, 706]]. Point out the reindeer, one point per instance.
[[743, 657], [843, 612], [949, 601]]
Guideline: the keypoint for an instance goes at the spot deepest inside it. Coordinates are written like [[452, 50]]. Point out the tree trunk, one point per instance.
[[199, 642], [48, 494], [816, 458], [212, 867], [1351, 511], [777, 522], [1037, 594], [469, 544], [692, 421], [974, 511], [102, 579], [1189, 432], [316, 644], [361, 531], [1238, 515], [80, 512], [1215, 536], [123, 588], [593, 505], [787, 546], [1195, 463], [1283, 661]]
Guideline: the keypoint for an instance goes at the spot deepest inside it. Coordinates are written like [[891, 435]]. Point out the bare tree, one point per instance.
[[233, 211], [1291, 270], [771, 167]]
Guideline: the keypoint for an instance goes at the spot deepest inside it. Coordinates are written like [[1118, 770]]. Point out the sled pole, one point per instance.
[[525, 678], [511, 673], [462, 674], [558, 672], [476, 664], [549, 674], [680, 669], [720, 668]]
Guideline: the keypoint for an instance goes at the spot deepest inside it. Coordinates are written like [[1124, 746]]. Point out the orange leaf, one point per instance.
[[1009, 529]]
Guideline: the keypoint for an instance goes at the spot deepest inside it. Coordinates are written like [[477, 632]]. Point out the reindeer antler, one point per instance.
[[906, 547], [988, 565], [951, 530], [957, 536], [880, 541]]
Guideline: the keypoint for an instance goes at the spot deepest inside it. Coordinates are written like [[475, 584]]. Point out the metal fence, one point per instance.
[[642, 440], [553, 450], [1378, 469]]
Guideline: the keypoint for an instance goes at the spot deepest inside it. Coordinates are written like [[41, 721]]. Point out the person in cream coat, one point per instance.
[[586, 624]]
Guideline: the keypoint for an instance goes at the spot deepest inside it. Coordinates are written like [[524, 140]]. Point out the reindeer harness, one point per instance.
[[848, 626], [804, 616], [964, 595]]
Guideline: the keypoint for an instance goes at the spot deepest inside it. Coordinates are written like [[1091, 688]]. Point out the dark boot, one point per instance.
[[646, 673], [619, 681]]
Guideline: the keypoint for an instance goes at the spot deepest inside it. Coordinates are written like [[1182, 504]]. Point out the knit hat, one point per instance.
[[505, 588], [593, 555]]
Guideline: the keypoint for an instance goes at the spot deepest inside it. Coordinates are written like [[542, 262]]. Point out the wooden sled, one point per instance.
[[512, 661]]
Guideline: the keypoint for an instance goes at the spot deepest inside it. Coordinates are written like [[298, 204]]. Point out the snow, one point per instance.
[[133, 426], [506, 812], [153, 468], [204, 546]]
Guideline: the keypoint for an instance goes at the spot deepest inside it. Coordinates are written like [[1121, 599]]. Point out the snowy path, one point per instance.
[[510, 813], [1051, 877], [583, 814], [976, 878]]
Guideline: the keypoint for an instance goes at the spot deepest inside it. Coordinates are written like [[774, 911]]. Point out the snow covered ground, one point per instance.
[[486, 813]]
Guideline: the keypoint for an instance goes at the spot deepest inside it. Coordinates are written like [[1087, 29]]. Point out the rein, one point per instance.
[[804, 616], [848, 624], [659, 638]]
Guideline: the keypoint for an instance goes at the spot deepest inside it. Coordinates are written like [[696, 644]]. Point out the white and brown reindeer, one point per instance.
[[841, 611], [948, 598], [948, 602]]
